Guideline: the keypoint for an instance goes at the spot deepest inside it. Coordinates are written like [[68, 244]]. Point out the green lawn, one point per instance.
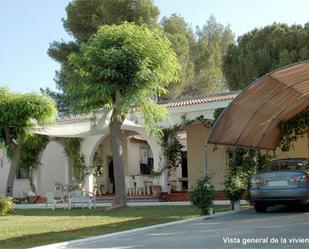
[[34, 227]]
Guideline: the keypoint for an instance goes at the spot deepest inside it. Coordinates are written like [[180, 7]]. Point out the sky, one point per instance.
[[27, 28]]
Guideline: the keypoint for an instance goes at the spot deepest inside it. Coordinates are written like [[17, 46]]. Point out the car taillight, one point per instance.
[[306, 177], [298, 179], [257, 181]]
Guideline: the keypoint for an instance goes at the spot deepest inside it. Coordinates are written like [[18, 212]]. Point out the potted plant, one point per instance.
[[156, 188]]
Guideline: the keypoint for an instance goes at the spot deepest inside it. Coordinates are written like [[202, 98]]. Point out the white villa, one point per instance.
[[141, 152]]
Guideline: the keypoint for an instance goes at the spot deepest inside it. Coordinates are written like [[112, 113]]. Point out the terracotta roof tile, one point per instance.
[[203, 99], [200, 99]]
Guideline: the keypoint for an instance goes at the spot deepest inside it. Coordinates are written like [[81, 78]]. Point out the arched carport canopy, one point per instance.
[[252, 119]]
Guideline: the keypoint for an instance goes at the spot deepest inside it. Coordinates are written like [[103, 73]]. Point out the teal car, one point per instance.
[[282, 181]]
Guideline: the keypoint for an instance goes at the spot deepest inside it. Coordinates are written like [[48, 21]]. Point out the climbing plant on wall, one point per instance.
[[293, 129], [72, 149], [172, 148]]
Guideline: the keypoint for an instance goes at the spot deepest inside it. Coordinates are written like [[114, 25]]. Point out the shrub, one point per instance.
[[6, 204], [236, 184], [202, 195]]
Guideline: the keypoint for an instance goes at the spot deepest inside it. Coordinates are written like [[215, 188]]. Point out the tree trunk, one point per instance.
[[115, 126], [308, 141], [12, 174], [13, 168], [120, 197], [16, 148]]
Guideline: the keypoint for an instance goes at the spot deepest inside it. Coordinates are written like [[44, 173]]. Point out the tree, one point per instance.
[[263, 50], [18, 111], [121, 67], [84, 17], [83, 20], [182, 38], [212, 42]]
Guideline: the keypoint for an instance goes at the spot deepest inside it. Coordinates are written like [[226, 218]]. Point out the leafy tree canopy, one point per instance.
[[18, 111], [83, 20], [263, 50], [134, 61]]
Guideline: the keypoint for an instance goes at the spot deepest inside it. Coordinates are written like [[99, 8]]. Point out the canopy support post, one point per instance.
[[257, 154], [206, 157]]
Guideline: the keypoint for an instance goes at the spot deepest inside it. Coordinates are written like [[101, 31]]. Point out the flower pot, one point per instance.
[[156, 191], [211, 211], [236, 206], [33, 199]]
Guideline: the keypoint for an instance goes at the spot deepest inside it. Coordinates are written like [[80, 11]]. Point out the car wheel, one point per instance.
[[260, 208]]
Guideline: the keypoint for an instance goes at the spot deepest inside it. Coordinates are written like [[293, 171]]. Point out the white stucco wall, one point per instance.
[[52, 169]]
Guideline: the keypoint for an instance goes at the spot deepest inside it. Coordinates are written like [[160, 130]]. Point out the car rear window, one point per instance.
[[288, 165]]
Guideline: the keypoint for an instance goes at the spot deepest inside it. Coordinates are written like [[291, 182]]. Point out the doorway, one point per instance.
[[111, 176]]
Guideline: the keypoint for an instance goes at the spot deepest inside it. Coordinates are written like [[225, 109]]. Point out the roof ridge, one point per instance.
[[194, 97]]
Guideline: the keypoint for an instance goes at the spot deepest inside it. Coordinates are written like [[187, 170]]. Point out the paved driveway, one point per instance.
[[279, 228]]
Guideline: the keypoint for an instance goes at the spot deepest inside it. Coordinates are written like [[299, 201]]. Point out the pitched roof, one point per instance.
[[202, 99], [185, 101]]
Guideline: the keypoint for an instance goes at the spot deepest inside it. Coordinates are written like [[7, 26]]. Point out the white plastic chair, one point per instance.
[[140, 185], [59, 191], [129, 185], [50, 199], [81, 197]]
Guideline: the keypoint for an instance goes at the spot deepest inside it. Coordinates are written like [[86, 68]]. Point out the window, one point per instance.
[[146, 161], [22, 173]]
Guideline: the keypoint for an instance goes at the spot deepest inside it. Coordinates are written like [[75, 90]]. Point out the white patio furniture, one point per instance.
[[148, 181], [129, 182], [174, 181], [140, 185], [50, 200], [81, 197], [59, 191]]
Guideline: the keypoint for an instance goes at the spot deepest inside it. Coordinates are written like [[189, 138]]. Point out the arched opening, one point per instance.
[[138, 160]]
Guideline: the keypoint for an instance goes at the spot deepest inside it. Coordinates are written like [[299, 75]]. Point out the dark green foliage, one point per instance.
[[236, 183], [217, 113], [202, 50], [34, 145], [262, 50], [202, 195], [293, 129], [6, 205], [172, 148], [212, 42], [84, 17], [182, 39], [82, 21], [97, 165], [242, 164]]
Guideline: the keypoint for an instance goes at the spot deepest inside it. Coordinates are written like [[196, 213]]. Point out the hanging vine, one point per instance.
[[293, 129], [72, 149]]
